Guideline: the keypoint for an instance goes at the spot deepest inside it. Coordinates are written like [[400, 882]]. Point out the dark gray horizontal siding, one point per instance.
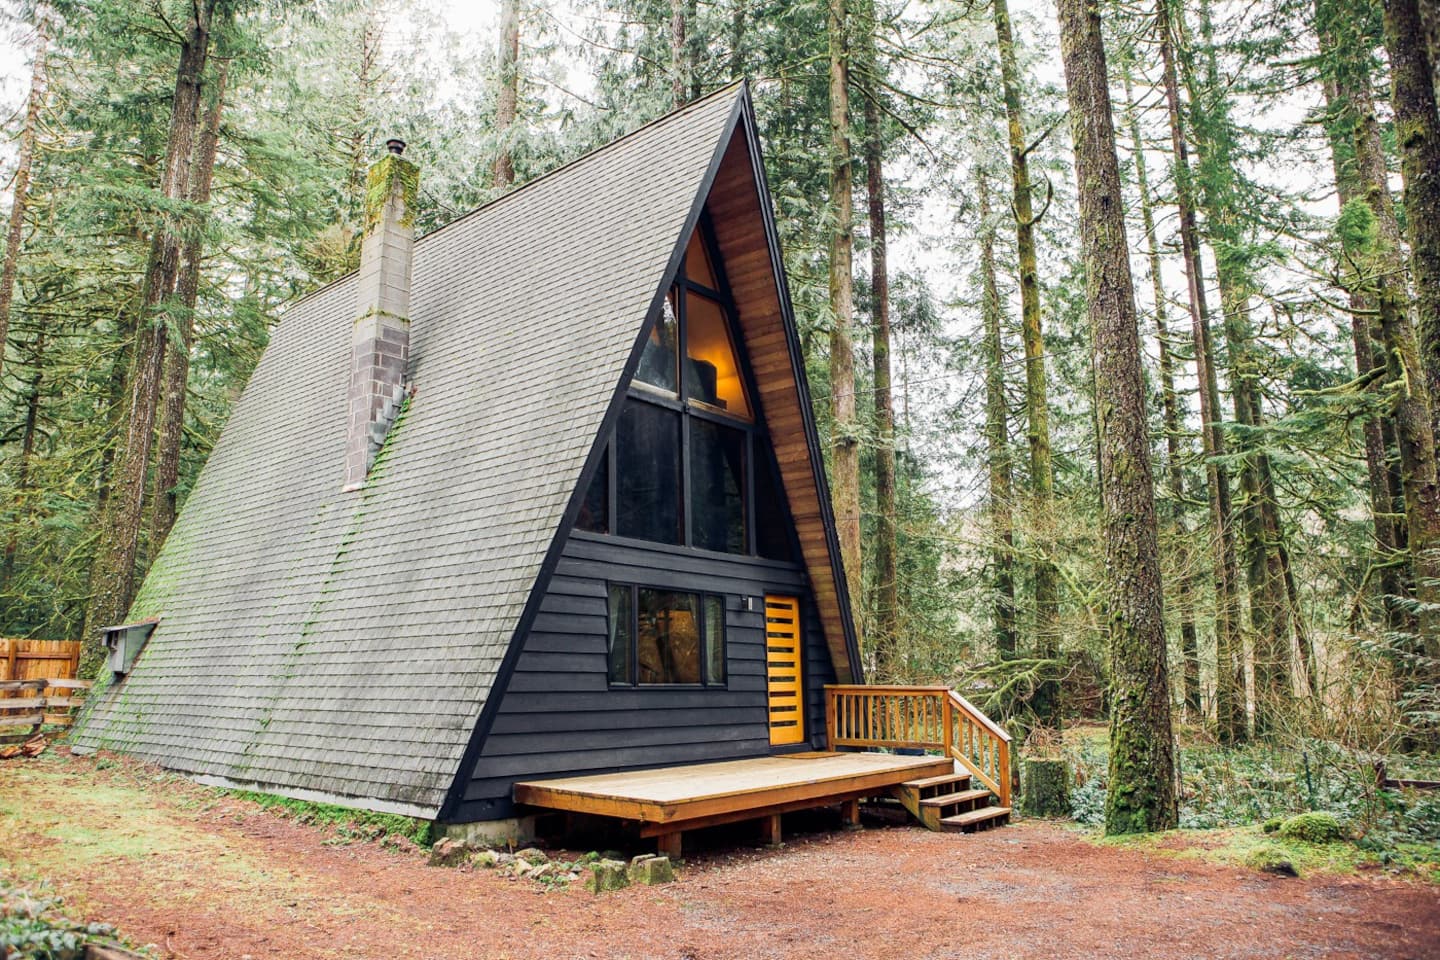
[[559, 716]]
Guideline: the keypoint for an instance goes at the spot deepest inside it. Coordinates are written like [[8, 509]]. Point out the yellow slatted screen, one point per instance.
[[783, 646]]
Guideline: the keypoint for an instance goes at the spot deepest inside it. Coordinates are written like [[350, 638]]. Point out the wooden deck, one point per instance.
[[670, 800]]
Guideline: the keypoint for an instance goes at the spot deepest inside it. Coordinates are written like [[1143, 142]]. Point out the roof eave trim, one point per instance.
[[456, 794]]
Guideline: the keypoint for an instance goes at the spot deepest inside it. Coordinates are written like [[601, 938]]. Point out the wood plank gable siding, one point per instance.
[[737, 211], [559, 716]]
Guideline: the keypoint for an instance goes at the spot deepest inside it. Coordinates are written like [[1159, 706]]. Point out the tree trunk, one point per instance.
[[23, 506], [1354, 135], [367, 69], [885, 625], [997, 436], [1141, 793], [1170, 401], [1417, 131], [1259, 515], [1045, 701], [845, 442], [507, 98], [737, 39], [20, 192], [112, 575], [165, 503], [679, 61], [1230, 710]]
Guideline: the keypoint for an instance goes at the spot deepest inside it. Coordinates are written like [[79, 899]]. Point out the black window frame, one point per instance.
[[633, 638], [756, 450]]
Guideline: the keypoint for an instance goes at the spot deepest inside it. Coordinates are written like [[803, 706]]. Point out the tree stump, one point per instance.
[[1047, 788]]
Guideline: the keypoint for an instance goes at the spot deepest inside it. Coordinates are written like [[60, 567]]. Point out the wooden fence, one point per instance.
[[39, 659]]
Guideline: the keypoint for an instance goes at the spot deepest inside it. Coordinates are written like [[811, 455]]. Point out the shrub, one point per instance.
[[1271, 859], [1313, 828]]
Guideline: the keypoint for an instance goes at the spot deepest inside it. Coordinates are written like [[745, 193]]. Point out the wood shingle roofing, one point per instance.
[[344, 643]]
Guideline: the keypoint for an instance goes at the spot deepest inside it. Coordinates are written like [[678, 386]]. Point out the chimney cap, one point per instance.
[[395, 146]]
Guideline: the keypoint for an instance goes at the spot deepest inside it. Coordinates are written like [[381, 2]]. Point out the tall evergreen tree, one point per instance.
[[884, 626], [1140, 795], [508, 96], [845, 441], [1045, 573], [112, 577], [1230, 720], [997, 434], [20, 185]]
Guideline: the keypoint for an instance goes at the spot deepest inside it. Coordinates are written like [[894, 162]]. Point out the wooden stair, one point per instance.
[[950, 803]]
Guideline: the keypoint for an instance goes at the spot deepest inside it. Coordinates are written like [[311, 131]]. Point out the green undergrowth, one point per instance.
[[348, 825], [1320, 801], [33, 926], [1251, 847]]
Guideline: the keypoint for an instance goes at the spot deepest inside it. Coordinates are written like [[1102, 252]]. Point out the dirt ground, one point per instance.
[[201, 875]]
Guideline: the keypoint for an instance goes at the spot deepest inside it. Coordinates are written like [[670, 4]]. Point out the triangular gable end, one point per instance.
[[743, 221], [736, 197]]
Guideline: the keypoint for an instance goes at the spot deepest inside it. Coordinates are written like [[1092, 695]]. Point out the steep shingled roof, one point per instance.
[[345, 643]]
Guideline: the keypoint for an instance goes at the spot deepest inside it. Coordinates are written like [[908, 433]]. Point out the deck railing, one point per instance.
[[922, 718]]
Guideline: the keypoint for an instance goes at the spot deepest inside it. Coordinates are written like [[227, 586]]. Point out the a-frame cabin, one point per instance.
[[535, 499]]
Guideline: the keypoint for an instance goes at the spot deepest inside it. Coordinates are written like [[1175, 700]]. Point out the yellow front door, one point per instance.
[[783, 646]]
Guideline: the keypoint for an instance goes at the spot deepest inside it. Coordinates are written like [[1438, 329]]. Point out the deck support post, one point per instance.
[[770, 830], [850, 810], [668, 845]]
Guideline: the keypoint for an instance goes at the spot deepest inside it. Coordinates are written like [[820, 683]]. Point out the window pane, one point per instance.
[[714, 639], [668, 648], [712, 372], [619, 639], [717, 486], [772, 539], [595, 511], [697, 262], [657, 362], [647, 473]]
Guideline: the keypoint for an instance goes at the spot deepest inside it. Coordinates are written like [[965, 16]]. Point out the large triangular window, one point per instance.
[[696, 322], [689, 463]]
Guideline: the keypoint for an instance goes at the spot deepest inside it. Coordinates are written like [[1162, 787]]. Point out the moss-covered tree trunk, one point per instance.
[[1171, 417], [165, 502], [1260, 523], [507, 96], [679, 61], [884, 628], [997, 436], [20, 183], [1230, 718], [118, 540], [1046, 699], [845, 429], [1354, 148], [1417, 132], [1141, 791], [1417, 128]]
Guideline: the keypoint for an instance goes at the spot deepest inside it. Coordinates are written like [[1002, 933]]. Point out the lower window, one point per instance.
[[665, 636]]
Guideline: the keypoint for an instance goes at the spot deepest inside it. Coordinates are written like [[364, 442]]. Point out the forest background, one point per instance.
[[177, 171]]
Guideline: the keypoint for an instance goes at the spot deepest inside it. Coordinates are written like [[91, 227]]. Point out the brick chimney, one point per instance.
[[380, 340]]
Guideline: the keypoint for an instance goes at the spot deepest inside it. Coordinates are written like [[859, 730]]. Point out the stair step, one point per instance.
[[955, 799], [976, 819], [940, 781]]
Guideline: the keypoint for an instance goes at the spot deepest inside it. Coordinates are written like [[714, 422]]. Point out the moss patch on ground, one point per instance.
[[50, 816], [1251, 847]]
